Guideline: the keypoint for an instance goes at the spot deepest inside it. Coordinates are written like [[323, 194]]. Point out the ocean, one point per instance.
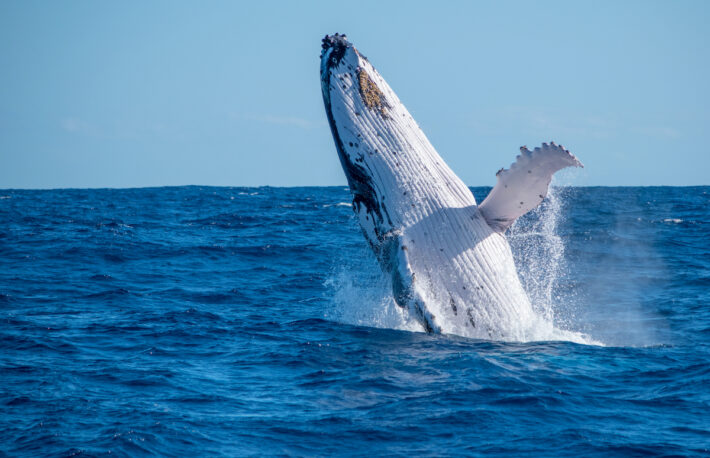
[[218, 321]]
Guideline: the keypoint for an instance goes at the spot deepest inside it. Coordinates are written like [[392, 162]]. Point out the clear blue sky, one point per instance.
[[123, 94]]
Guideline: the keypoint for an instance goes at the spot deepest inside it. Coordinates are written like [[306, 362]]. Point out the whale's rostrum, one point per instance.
[[448, 259]]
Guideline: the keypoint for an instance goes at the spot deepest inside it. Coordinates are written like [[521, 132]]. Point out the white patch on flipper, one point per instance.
[[522, 187]]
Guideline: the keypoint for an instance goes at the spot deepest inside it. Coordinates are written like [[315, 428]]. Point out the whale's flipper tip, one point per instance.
[[524, 185]]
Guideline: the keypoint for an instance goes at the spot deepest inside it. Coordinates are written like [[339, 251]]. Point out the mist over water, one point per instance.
[[256, 321]]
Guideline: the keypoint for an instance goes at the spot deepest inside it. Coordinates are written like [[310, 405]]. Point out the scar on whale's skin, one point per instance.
[[371, 94]]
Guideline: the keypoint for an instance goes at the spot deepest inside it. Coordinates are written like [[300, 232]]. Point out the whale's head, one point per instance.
[[392, 169], [352, 88], [356, 107]]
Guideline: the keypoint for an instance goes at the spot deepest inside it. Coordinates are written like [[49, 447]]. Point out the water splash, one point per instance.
[[361, 295], [539, 257], [539, 253]]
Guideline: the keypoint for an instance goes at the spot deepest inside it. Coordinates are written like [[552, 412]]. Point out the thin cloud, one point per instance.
[[534, 121], [293, 121], [659, 132], [538, 121], [77, 126]]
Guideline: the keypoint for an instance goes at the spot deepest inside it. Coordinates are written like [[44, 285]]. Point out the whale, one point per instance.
[[447, 257]]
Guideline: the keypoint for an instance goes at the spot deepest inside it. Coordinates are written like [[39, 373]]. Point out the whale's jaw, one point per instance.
[[345, 80], [448, 266], [360, 180]]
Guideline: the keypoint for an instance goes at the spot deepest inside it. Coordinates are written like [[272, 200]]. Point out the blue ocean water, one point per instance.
[[255, 321]]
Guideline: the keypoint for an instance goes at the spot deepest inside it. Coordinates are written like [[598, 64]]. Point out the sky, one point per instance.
[[161, 93]]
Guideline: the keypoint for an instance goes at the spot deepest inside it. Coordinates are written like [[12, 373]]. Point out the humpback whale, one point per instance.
[[449, 262]]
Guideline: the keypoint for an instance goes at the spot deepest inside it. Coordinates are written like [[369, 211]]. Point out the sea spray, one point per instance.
[[614, 288], [360, 294], [539, 252]]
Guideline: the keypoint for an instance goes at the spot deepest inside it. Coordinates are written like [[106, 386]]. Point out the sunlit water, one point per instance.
[[237, 321]]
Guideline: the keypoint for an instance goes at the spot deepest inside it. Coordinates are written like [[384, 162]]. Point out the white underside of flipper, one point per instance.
[[524, 185]]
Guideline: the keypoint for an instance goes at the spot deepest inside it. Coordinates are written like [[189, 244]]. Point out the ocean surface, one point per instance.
[[203, 321]]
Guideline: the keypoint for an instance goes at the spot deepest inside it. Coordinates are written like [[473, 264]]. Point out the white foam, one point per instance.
[[360, 294]]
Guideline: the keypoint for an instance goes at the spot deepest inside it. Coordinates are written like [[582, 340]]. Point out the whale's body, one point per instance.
[[449, 261]]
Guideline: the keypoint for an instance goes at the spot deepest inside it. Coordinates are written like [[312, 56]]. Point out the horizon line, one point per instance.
[[118, 188]]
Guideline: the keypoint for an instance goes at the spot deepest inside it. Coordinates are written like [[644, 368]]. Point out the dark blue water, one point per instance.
[[241, 321]]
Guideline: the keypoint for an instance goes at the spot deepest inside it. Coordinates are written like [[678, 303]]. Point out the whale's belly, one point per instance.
[[464, 272]]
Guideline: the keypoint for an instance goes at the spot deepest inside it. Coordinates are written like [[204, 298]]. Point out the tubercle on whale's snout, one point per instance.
[[336, 39], [334, 46], [333, 49]]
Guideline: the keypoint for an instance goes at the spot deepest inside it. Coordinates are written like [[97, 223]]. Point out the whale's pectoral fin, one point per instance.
[[524, 185], [392, 253]]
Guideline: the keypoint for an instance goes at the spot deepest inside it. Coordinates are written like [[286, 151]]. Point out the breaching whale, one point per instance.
[[448, 259]]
